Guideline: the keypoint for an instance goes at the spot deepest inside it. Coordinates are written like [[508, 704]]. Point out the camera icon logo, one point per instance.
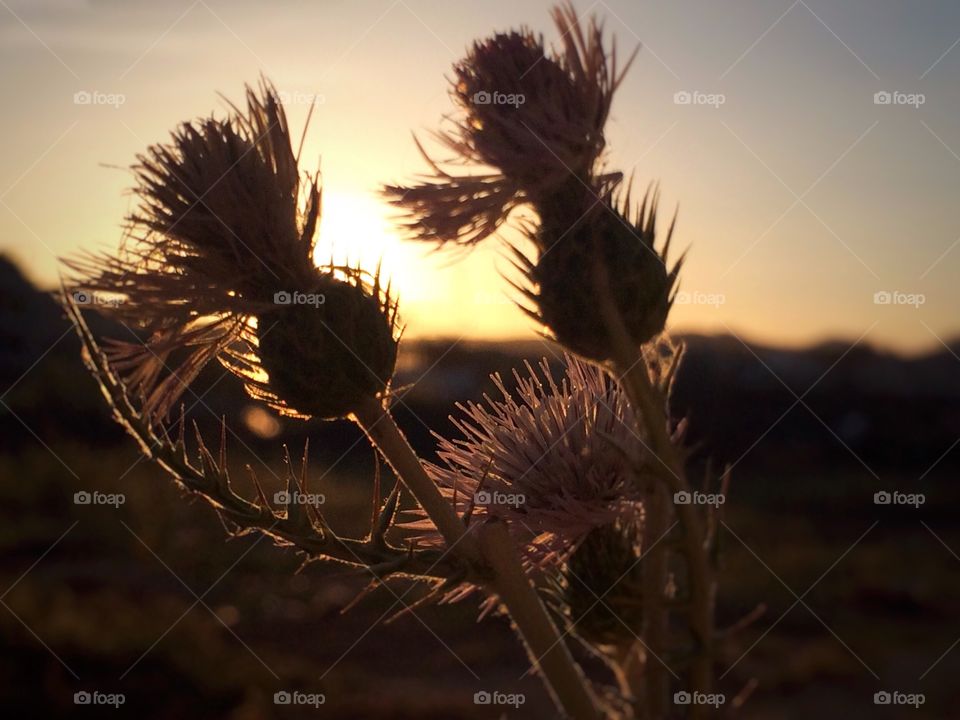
[[882, 698], [82, 698], [282, 298], [882, 498], [82, 97], [682, 97], [882, 297], [282, 698], [682, 698], [482, 698], [82, 498], [482, 97], [282, 497], [682, 498], [482, 498], [81, 297], [882, 97]]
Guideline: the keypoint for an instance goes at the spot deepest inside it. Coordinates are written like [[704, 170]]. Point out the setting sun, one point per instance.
[[439, 295]]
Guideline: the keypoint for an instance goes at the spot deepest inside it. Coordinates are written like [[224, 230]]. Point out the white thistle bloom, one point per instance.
[[554, 460]]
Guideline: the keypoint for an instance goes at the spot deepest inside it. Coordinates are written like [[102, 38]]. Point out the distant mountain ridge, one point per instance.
[[866, 403]]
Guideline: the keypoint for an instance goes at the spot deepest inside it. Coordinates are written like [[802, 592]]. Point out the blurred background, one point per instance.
[[812, 149]]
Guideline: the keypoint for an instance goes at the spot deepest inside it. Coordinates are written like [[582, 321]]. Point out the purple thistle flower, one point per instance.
[[536, 117], [554, 460]]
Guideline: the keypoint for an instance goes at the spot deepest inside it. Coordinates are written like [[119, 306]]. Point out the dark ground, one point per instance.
[[150, 599]]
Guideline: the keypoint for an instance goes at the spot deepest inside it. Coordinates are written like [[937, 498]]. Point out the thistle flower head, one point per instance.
[[554, 461], [536, 117], [217, 258], [321, 360]]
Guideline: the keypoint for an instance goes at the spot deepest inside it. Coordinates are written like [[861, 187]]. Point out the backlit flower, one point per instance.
[[536, 117], [218, 263], [555, 459]]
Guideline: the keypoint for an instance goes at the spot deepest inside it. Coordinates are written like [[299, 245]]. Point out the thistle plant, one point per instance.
[[592, 274], [554, 502]]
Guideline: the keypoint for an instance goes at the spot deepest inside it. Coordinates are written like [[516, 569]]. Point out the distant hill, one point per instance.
[[889, 411]]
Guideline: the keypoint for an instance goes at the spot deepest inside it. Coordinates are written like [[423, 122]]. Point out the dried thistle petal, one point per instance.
[[535, 116], [522, 113]]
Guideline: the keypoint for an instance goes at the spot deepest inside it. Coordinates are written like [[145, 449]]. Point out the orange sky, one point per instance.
[[801, 195]]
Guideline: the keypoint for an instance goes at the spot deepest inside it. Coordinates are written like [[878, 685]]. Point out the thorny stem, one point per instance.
[[654, 573], [494, 554], [380, 427], [631, 369], [548, 653], [210, 480]]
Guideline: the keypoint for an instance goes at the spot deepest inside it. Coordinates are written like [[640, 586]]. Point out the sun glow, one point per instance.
[[439, 293], [355, 230]]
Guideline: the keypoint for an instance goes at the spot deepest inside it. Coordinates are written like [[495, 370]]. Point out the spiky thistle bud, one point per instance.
[[320, 360], [600, 592], [218, 263], [587, 241], [602, 249]]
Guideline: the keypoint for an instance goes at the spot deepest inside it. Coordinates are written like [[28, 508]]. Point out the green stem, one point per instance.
[[546, 648], [631, 369], [380, 427], [629, 664], [654, 573], [494, 556]]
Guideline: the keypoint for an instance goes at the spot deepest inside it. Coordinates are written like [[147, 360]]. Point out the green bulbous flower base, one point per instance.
[[566, 276], [329, 349], [606, 564]]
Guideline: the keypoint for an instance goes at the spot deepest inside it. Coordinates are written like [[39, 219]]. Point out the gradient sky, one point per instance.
[[799, 196]]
